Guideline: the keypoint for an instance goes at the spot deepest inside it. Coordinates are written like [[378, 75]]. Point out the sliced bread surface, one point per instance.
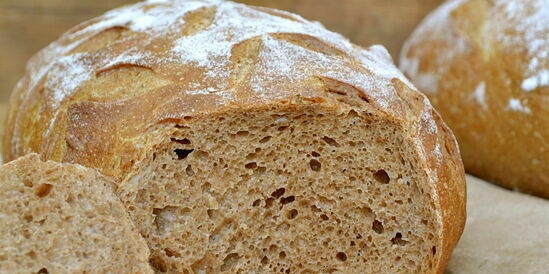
[[64, 218]]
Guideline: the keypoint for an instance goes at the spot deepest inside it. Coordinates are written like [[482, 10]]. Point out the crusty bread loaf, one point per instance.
[[63, 218], [484, 65], [248, 140]]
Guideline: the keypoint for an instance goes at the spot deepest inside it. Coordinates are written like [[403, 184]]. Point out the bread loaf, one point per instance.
[[248, 140], [62, 218], [484, 66]]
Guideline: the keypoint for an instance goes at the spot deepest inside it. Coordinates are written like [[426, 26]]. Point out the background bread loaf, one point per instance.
[[62, 218], [484, 66], [248, 139]]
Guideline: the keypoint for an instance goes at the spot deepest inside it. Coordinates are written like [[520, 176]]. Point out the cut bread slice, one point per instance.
[[299, 187], [63, 218], [248, 140]]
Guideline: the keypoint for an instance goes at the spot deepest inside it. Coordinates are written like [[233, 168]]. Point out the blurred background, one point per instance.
[[26, 26]]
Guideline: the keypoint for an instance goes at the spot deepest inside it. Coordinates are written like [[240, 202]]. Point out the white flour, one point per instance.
[[210, 49]]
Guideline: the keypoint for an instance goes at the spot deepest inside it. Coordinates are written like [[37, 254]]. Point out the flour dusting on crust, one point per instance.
[[65, 76], [161, 22], [480, 95], [440, 29], [516, 105], [527, 25], [517, 27]]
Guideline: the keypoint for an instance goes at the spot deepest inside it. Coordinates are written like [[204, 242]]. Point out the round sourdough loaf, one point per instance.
[[248, 139], [485, 67]]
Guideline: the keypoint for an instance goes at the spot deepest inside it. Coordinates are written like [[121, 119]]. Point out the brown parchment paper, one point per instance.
[[506, 233]]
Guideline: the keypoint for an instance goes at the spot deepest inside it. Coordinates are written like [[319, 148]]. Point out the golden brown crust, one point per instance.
[[442, 155], [484, 66], [451, 192], [110, 89]]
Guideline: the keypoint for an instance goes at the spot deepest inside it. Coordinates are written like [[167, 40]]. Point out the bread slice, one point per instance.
[[62, 218], [248, 140]]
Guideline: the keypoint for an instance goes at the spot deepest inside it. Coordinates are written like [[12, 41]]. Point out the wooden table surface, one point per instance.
[[26, 26]]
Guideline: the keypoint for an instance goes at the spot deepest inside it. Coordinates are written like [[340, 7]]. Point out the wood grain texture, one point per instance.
[[26, 26]]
